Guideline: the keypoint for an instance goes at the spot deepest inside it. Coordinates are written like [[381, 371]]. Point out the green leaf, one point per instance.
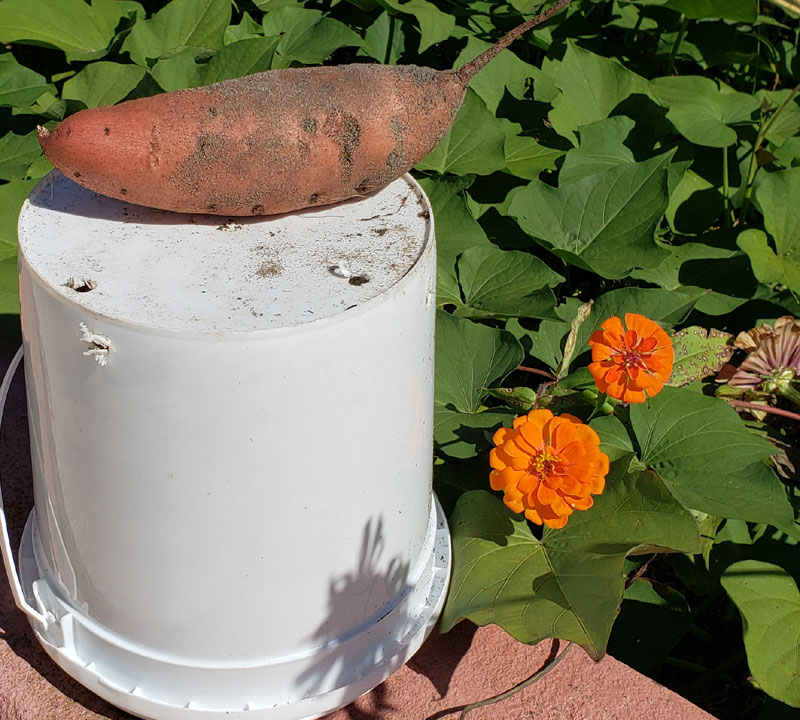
[[82, 31], [473, 145], [12, 195], [651, 622], [694, 204], [526, 158], [434, 25], [699, 353], [590, 87], [776, 195], [738, 10], [505, 283], [769, 268], [701, 111], [456, 228], [662, 306], [102, 83], [769, 602], [247, 28], [17, 152], [238, 59], [178, 71], [605, 223], [504, 72], [787, 124], [463, 435], [707, 458], [196, 24], [470, 357], [377, 36], [568, 584], [20, 87], [307, 36], [601, 148], [614, 438]]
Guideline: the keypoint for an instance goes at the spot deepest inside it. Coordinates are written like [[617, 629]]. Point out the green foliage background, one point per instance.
[[644, 154]]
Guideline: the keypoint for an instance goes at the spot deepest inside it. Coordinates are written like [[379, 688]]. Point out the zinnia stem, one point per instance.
[[764, 408], [538, 675]]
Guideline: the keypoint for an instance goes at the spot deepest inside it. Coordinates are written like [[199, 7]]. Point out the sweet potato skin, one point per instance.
[[267, 143]]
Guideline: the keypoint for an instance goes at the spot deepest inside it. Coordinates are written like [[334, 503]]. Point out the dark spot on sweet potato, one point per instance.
[[358, 280], [123, 191], [211, 206], [69, 132], [313, 198], [212, 112], [423, 214], [106, 131], [76, 174], [257, 209], [344, 129], [309, 125], [363, 186], [380, 232], [302, 148]]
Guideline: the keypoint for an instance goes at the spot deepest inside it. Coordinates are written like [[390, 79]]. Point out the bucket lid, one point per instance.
[[212, 274]]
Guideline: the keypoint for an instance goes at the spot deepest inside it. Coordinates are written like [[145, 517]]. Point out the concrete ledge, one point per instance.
[[466, 665]]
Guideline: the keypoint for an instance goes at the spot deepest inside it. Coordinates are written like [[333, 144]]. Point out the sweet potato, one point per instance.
[[267, 143]]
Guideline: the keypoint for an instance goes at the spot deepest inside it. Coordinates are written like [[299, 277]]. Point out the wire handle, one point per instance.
[[5, 542]]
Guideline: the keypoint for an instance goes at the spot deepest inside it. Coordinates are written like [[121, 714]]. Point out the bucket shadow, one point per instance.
[[367, 594]]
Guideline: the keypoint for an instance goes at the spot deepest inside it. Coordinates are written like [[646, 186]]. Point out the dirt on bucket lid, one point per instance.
[[211, 274]]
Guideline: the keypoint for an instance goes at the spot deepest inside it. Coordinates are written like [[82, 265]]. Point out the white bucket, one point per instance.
[[231, 430]]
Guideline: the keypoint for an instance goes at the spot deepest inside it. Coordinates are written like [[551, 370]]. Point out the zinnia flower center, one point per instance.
[[544, 463]]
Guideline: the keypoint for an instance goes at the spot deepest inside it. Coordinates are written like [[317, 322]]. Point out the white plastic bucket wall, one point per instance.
[[233, 506]]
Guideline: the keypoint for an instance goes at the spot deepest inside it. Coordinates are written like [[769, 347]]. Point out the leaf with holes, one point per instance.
[[568, 584], [699, 353]]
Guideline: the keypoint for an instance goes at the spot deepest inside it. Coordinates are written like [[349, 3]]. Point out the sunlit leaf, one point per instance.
[[605, 222], [470, 357], [82, 31], [102, 83], [19, 86], [306, 36], [434, 24], [701, 111], [769, 602], [473, 145], [196, 24], [707, 457], [568, 584], [505, 283]]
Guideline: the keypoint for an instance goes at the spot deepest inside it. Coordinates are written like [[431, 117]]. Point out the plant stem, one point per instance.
[[387, 58], [677, 44], [763, 129], [465, 72], [765, 408], [544, 373], [538, 675], [726, 189], [685, 665]]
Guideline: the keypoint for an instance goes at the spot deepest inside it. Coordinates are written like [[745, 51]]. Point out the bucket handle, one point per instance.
[[5, 542]]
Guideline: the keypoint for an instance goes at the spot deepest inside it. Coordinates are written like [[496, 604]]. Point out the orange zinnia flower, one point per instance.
[[630, 365], [548, 466]]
